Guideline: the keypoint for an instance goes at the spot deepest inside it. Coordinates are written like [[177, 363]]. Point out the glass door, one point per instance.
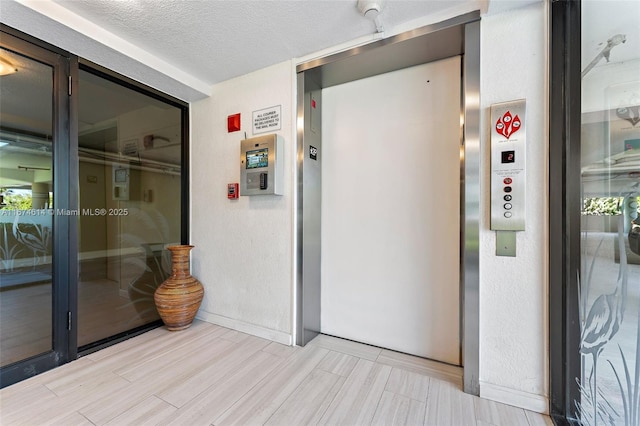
[[130, 166], [34, 152], [609, 296], [93, 188]]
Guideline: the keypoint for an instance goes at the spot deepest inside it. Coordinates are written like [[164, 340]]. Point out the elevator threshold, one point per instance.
[[436, 369]]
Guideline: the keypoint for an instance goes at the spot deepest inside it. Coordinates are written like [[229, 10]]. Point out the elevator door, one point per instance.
[[391, 210]]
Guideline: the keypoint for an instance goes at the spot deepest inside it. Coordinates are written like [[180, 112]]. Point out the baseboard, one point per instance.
[[517, 398], [254, 330]]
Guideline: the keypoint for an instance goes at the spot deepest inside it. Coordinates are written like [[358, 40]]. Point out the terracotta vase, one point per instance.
[[179, 297]]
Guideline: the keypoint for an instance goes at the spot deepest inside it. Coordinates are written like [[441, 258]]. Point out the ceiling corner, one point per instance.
[[62, 28]]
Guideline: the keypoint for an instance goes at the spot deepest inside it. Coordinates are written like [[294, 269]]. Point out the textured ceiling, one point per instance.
[[217, 40], [184, 47]]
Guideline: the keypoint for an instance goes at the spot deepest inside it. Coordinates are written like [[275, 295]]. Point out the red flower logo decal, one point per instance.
[[508, 125]]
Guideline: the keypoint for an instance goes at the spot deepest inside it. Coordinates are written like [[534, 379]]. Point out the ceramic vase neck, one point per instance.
[[180, 260]]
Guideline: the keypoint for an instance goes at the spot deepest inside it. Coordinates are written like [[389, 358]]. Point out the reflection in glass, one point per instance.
[[610, 273], [130, 156], [26, 223]]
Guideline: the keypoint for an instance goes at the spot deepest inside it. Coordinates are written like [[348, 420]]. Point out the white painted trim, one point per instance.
[[545, 224], [517, 398], [442, 15], [254, 330], [360, 41]]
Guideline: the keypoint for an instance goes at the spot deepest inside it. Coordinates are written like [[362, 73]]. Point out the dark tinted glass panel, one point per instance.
[[130, 163]]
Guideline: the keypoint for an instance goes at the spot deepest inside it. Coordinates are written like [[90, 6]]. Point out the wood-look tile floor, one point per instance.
[[210, 375], [25, 317]]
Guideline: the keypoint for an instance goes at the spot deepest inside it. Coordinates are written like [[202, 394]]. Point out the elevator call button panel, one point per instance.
[[508, 166], [261, 166]]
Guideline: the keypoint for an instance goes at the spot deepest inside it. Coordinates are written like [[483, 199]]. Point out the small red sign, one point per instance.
[[508, 125], [233, 123]]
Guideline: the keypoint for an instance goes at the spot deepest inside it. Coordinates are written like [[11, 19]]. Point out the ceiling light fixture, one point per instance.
[[371, 10], [6, 67]]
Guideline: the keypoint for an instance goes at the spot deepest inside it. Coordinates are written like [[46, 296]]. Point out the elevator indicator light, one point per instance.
[[508, 157]]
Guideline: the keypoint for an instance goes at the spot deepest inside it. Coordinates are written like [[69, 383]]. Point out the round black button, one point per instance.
[[507, 189], [507, 197]]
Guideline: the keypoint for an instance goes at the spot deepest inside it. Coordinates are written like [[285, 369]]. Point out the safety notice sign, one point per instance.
[[267, 120]]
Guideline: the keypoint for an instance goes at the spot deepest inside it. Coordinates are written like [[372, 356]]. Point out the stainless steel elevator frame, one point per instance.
[[457, 36]]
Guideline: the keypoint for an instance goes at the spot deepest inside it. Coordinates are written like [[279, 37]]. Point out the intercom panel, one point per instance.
[[261, 166], [125, 183], [121, 182], [508, 166]]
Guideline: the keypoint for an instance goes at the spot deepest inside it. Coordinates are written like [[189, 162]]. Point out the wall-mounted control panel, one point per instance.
[[508, 166], [120, 179], [261, 166]]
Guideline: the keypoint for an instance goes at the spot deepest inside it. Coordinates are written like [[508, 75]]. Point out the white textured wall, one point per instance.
[[230, 236], [243, 251], [513, 291]]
